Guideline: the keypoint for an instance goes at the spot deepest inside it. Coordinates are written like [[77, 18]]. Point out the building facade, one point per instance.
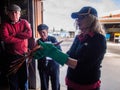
[[111, 24]]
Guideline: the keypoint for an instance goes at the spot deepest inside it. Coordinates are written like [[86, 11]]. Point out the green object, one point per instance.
[[37, 54], [51, 51]]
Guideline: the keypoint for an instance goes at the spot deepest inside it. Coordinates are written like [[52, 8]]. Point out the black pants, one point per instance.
[[3, 77], [49, 70], [18, 80]]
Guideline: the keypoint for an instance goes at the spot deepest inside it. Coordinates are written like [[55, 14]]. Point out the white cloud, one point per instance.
[[57, 12]]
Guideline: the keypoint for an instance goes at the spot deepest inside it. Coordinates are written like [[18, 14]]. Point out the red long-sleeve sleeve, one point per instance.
[[16, 36]]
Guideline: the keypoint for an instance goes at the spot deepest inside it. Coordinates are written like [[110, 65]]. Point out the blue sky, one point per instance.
[[117, 3], [57, 12]]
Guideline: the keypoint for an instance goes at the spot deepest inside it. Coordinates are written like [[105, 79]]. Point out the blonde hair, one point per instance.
[[96, 26], [92, 23]]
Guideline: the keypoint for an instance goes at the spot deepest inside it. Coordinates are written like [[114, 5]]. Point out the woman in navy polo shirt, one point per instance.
[[85, 56]]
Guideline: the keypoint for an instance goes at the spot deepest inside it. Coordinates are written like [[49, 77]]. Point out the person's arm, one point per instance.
[[91, 54], [51, 51], [71, 62], [26, 33], [6, 36]]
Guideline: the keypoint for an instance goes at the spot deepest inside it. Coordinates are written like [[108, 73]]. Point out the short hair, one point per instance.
[[42, 27]]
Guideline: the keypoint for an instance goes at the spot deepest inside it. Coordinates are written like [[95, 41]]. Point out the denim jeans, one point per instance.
[[49, 71]]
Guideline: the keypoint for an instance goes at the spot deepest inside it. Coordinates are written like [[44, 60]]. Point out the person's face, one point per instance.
[[14, 15], [43, 34], [84, 24]]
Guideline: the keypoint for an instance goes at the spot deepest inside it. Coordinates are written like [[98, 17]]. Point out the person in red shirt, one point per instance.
[[15, 33]]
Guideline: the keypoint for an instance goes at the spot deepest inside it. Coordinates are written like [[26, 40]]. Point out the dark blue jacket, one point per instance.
[[89, 53]]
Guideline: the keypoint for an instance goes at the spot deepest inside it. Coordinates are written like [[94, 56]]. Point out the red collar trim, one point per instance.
[[91, 34], [83, 37]]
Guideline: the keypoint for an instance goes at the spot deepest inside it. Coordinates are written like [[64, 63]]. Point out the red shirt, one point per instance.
[[16, 36]]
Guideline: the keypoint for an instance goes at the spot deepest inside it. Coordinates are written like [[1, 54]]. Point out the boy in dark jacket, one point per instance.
[[48, 68]]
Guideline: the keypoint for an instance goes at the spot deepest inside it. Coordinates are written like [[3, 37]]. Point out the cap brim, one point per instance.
[[74, 15]]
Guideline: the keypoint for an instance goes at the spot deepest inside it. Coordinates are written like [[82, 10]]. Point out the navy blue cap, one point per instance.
[[42, 27], [84, 11]]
